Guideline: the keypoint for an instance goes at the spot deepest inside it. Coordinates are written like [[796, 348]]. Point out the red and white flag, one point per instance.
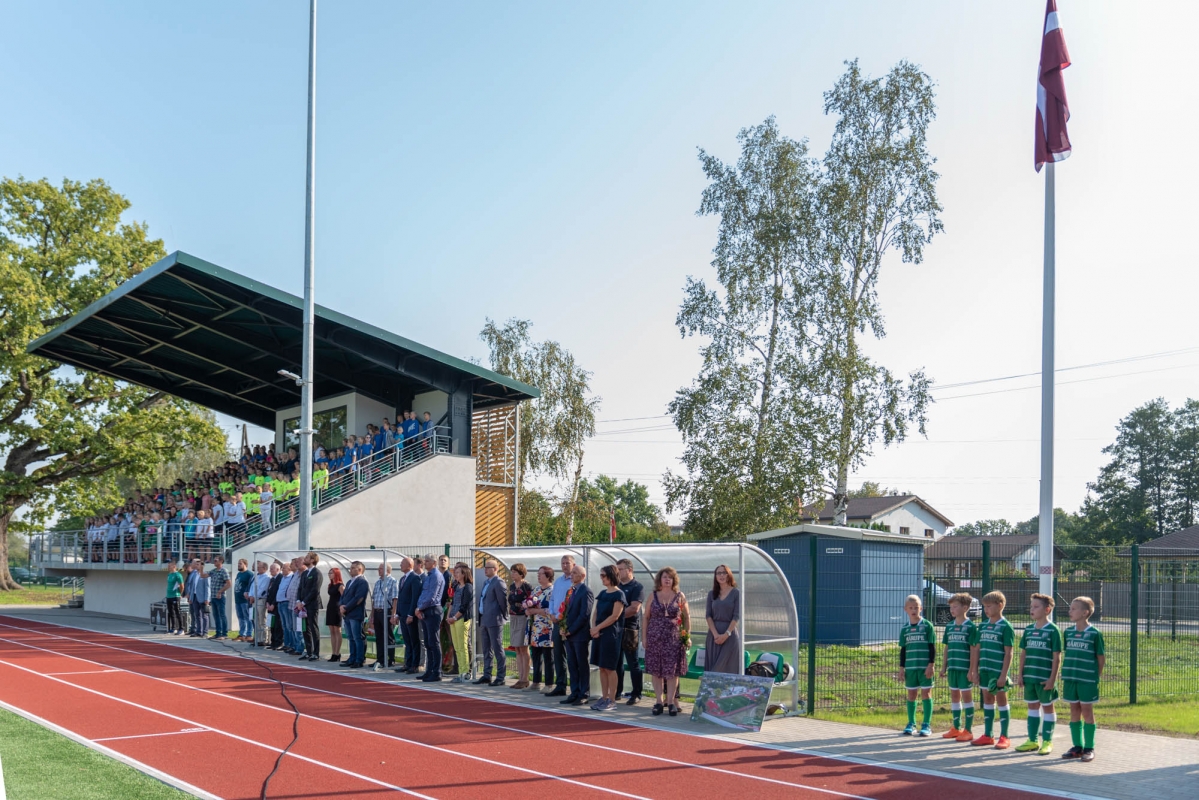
[[1052, 142], [612, 529]]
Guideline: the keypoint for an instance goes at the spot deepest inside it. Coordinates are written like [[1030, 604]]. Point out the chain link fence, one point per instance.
[[1146, 605]]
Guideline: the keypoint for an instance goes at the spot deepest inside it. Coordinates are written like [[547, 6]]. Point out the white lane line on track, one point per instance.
[[289, 713], [152, 735], [83, 672], [506, 728], [222, 733], [166, 778]]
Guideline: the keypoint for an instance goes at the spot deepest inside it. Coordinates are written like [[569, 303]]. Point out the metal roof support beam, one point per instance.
[[150, 368], [460, 412]]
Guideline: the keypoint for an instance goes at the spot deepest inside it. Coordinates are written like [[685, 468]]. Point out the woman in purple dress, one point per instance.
[[667, 631]]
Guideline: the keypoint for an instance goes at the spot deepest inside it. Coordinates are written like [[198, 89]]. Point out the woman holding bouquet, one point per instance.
[[518, 623], [667, 639], [541, 629]]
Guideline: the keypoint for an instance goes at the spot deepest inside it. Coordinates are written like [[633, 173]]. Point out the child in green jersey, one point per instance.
[[995, 640], [960, 664], [1082, 666], [917, 655], [1040, 660]]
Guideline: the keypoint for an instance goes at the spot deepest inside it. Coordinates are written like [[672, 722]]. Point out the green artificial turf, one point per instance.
[[39, 764]]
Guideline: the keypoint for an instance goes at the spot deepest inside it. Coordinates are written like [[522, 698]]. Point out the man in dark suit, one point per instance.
[[309, 598], [272, 606], [493, 613], [353, 611], [578, 637], [410, 589]]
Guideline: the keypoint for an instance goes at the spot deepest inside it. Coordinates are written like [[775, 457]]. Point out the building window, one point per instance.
[[905, 531], [928, 533], [329, 427], [1026, 568]]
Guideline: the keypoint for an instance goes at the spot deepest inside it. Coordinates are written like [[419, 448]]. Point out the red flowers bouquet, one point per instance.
[[562, 612], [684, 622]]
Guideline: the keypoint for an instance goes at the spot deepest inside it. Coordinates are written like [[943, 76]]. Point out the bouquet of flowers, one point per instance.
[[562, 612], [684, 621]]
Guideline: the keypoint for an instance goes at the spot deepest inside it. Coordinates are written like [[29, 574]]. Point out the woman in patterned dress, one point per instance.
[[541, 629], [666, 624]]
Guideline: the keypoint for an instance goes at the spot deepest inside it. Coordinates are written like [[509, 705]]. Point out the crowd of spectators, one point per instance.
[[558, 628], [189, 518]]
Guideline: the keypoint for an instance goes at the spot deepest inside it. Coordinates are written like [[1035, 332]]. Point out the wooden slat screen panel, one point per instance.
[[493, 516]]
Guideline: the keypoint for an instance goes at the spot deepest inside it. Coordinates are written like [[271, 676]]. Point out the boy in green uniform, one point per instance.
[[995, 639], [960, 664], [917, 655], [1040, 660], [1082, 667]]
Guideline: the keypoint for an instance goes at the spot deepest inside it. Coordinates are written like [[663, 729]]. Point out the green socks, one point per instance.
[[969, 716], [1034, 723], [911, 712], [926, 708], [1048, 722], [1005, 718], [957, 716], [988, 718], [1088, 737], [1076, 733]]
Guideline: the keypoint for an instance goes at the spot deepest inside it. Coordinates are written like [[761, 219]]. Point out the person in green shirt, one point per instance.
[[174, 590], [1082, 667], [996, 637], [1040, 660], [917, 655], [960, 665]]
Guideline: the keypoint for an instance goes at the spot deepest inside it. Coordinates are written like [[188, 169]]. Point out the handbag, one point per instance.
[[630, 640]]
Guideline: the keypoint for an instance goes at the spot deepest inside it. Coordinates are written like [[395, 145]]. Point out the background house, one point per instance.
[[903, 514], [961, 556]]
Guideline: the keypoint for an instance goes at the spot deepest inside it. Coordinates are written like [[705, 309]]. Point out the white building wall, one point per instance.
[[432, 503], [916, 518], [125, 593], [360, 411], [433, 402]]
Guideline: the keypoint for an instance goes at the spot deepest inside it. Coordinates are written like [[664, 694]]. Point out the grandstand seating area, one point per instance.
[[256, 494]]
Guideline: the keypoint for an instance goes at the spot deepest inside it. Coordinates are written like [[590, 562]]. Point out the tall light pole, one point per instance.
[[309, 292]]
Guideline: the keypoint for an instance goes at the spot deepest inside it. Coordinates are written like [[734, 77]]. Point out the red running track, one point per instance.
[[216, 722]]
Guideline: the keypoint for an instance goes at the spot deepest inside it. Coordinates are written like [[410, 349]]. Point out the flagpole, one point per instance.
[[309, 299], [1045, 526]]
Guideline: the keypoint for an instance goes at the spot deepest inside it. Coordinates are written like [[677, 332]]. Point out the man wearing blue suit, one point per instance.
[[493, 612], [578, 637], [410, 588], [353, 610], [428, 611]]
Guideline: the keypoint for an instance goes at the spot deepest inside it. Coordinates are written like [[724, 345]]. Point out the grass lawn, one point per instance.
[[1171, 718], [42, 765], [32, 596]]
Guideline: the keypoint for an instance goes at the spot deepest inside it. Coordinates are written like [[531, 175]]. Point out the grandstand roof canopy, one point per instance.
[[206, 334]]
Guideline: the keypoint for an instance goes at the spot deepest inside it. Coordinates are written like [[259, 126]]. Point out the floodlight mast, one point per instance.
[[309, 292]]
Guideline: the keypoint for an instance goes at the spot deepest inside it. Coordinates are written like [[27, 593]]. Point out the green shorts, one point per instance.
[[989, 680], [916, 679], [1079, 692], [959, 679], [1035, 692]]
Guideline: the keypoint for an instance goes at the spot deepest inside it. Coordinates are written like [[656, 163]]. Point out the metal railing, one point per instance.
[[160, 542]]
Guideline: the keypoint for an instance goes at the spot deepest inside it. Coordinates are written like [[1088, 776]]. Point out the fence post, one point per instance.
[[812, 550], [1134, 623], [1174, 602], [986, 566], [447, 549]]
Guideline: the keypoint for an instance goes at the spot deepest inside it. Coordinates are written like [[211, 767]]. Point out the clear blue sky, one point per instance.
[[539, 160]]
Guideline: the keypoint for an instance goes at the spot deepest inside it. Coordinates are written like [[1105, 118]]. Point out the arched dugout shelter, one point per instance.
[[769, 622]]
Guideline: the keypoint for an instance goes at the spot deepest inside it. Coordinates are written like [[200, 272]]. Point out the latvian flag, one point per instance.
[[1052, 142]]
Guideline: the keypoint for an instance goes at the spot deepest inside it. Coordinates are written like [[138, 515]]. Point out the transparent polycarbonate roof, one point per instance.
[[769, 607]]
